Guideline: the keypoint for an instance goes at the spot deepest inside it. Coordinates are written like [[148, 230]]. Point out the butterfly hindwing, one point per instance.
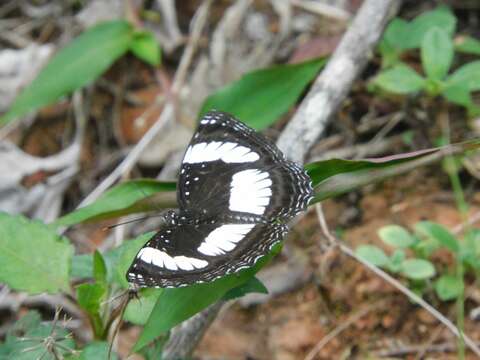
[[180, 255], [229, 168]]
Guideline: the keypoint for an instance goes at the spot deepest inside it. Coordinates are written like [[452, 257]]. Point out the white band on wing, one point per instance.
[[224, 239], [162, 259], [228, 152], [250, 191]]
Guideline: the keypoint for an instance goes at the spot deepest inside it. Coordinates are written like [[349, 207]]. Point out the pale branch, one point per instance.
[[333, 84], [188, 334]]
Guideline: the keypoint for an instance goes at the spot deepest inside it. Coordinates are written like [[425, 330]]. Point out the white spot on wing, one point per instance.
[[162, 259], [224, 239], [228, 152], [250, 191]]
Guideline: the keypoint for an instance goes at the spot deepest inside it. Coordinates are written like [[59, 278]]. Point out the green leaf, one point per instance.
[[437, 232], [82, 266], [448, 287], [125, 198], [253, 285], [441, 17], [470, 249], [145, 47], [336, 176], [178, 304], [76, 65], [97, 350], [467, 45], [396, 34], [90, 298], [33, 257], [458, 94], [467, 76], [99, 267], [139, 309], [396, 236], [259, 98], [418, 269], [396, 261], [437, 53], [372, 254], [400, 79]]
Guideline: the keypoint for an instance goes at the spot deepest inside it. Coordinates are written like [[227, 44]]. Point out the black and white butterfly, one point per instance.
[[236, 191]]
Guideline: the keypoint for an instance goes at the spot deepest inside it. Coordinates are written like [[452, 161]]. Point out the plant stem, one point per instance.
[[463, 209]]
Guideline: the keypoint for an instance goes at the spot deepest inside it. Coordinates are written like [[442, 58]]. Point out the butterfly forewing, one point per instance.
[[179, 255], [231, 170]]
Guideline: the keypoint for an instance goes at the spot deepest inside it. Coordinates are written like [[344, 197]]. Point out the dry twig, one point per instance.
[[333, 84]]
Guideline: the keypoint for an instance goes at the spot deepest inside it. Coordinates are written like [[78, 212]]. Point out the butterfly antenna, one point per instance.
[[131, 221]]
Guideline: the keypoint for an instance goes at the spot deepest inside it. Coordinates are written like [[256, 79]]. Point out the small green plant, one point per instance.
[[413, 252], [432, 33]]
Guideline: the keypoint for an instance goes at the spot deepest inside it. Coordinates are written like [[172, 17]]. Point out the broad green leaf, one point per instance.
[[441, 17], [76, 65], [253, 285], [467, 45], [396, 236], [458, 94], [178, 304], [372, 254], [448, 287], [396, 261], [138, 310], [96, 350], [394, 41], [396, 34], [417, 269], [90, 297], [439, 233], [82, 266], [336, 176], [259, 98], [125, 198], [400, 79], [145, 46], [470, 248], [99, 267], [467, 76], [33, 257], [437, 53]]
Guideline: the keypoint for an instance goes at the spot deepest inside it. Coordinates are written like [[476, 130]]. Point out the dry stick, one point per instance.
[[126, 165], [329, 90], [395, 283], [187, 335], [332, 86]]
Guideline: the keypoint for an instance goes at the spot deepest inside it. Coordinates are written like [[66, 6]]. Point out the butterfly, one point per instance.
[[236, 192]]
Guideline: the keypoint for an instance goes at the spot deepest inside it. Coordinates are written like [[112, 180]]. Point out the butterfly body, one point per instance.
[[235, 193]]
